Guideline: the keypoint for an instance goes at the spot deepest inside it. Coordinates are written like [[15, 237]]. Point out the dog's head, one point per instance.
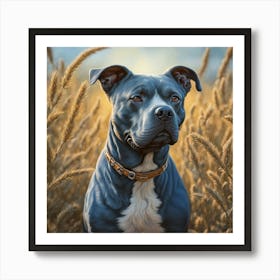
[[147, 110]]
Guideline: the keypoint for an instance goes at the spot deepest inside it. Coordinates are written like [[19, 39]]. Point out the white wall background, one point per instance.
[[17, 262]]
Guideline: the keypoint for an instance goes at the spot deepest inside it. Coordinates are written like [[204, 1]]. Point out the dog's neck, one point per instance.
[[128, 157]]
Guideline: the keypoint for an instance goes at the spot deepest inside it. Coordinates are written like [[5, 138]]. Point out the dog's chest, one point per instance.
[[142, 213]]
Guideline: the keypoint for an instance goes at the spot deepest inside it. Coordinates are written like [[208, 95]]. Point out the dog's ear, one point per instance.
[[109, 76], [183, 75]]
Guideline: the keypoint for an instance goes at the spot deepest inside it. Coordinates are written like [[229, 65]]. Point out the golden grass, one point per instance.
[[211, 149], [50, 55], [225, 63], [204, 63], [52, 117], [52, 88], [73, 114], [69, 174], [75, 64], [78, 118]]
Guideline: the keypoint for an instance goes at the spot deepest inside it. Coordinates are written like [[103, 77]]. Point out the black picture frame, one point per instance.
[[244, 32]]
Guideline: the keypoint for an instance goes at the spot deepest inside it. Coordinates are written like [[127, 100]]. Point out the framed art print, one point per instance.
[[140, 139]]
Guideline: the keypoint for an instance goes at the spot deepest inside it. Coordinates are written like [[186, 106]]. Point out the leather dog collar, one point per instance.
[[133, 175]]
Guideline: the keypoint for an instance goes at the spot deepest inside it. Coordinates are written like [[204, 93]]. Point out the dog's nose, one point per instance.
[[164, 113]]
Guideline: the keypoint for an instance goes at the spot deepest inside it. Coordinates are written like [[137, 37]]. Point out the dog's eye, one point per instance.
[[136, 98], [175, 99]]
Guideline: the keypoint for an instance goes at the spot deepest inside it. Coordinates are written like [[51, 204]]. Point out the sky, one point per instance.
[[145, 60]]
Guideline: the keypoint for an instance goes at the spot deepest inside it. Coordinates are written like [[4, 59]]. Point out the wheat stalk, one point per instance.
[[61, 66], [73, 158], [192, 111], [227, 153], [53, 116], [50, 154], [52, 88], [50, 157], [225, 63], [199, 223], [228, 118], [50, 55], [194, 156], [216, 181], [222, 89], [208, 113], [95, 129], [221, 194], [217, 198], [67, 213], [216, 98], [73, 114], [88, 136], [88, 117], [58, 96], [67, 77], [69, 174], [66, 102], [211, 149], [76, 63], [222, 86], [201, 123], [204, 64], [83, 123], [96, 107]]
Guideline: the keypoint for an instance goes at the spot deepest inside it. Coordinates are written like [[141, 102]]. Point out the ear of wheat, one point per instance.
[[74, 112], [52, 89], [68, 175], [225, 62], [75, 64], [204, 63], [50, 55], [211, 149]]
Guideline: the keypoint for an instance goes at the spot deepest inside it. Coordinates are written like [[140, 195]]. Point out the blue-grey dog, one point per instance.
[[136, 186]]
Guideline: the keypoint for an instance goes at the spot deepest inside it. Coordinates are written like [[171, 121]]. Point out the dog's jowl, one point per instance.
[[136, 186]]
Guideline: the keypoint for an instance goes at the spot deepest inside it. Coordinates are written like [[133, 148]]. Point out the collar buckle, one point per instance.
[[131, 175]]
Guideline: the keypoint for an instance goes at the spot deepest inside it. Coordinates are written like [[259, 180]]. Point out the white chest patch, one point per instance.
[[141, 215]]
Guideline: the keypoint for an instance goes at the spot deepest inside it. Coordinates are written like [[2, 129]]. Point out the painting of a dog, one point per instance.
[[136, 186]]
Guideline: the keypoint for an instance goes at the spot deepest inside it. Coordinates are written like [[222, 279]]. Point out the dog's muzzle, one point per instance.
[[159, 129]]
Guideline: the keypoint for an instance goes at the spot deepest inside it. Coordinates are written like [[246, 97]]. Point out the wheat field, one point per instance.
[[77, 125]]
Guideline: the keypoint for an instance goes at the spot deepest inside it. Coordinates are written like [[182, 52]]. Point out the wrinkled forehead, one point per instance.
[[150, 84]]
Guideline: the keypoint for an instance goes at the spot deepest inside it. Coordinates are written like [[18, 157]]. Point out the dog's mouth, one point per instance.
[[129, 140], [161, 139]]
